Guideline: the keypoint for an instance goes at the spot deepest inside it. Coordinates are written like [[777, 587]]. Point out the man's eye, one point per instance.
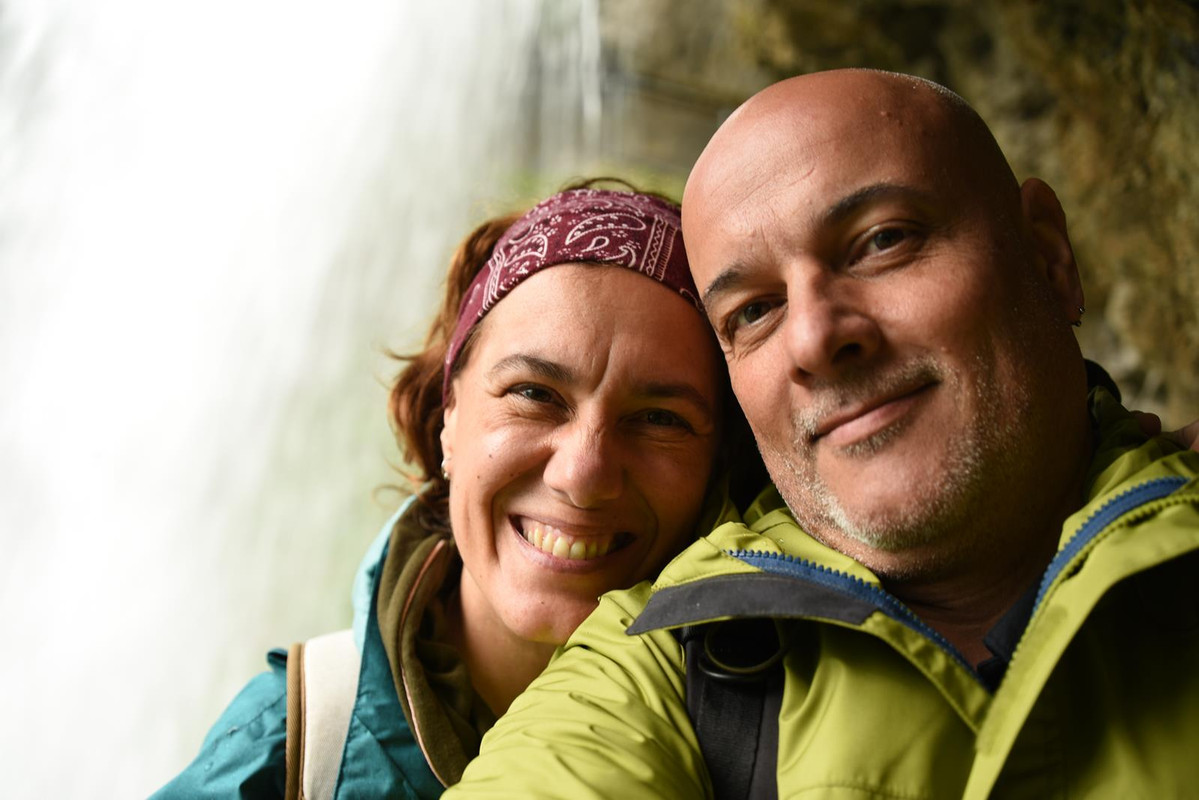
[[750, 313], [887, 238]]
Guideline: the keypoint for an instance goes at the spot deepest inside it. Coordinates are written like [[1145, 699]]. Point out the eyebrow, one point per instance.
[[726, 281], [849, 205], [550, 370], [837, 213], [665, 390], [553, 371]]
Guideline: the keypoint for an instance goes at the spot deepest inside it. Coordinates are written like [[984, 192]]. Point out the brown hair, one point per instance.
[[415, 406]]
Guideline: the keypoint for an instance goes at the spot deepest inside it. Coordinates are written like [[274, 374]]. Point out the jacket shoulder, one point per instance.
[[628, 689], [243, 754]]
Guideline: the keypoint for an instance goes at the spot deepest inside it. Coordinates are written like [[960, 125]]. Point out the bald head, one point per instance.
[[895, 312], [848, 111]]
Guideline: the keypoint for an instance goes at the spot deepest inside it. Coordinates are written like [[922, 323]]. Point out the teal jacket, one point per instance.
[[1101, 697], [243, 754]]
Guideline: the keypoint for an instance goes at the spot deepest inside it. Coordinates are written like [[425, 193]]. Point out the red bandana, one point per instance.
[[637, 231]]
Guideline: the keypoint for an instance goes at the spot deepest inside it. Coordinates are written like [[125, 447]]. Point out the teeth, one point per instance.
[[562, 545]]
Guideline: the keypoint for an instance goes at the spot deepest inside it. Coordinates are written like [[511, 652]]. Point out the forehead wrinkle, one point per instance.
[[747, 183], [542, 367]]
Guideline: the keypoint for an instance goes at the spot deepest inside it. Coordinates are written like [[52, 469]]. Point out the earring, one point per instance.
[[1078, 322], [445, 472]]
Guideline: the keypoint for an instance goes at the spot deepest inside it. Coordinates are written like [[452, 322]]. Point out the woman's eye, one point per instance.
[[538, 394], [667, 419], [663, 423]]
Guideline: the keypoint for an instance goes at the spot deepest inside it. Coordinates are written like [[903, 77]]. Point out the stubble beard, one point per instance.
[[940, 508]]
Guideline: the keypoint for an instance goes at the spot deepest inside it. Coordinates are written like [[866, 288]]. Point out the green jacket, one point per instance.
[[1101, 698]]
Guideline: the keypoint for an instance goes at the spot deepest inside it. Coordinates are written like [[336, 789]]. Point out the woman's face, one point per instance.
[[580, 440]]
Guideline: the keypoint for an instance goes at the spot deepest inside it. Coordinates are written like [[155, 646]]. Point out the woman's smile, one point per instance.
[[563, 544]]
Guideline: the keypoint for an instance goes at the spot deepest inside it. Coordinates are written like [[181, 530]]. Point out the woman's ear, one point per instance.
[[449, 418], [1051, 245]]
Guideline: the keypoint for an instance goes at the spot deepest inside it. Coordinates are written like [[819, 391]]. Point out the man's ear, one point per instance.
[[1051, 245]]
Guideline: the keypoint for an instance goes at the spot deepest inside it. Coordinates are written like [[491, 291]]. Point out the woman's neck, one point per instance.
[[501, 665]]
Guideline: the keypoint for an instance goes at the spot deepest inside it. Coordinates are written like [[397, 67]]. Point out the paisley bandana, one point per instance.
[[637, 231]]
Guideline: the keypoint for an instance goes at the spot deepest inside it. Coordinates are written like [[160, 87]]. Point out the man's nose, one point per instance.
[[828, 327], [584, 467]]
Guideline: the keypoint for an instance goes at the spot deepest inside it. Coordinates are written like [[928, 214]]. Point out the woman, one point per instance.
[[565, 423]]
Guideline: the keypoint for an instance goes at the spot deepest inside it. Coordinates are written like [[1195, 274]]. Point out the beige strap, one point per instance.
[[294, 750], [331, 665], [326, 683]]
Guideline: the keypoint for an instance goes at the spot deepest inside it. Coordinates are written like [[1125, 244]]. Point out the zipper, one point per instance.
[[1106, 514], [810, 571]]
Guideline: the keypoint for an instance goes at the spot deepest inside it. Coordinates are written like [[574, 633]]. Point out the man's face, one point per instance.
[[884, 318]]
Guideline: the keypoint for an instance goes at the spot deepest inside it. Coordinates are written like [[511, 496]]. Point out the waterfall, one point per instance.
[[214, 219]]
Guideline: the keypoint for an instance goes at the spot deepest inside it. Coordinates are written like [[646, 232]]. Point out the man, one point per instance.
[[990, 589]]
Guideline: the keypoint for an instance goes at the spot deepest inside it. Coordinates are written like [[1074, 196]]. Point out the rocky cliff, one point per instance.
[[1099, 99]]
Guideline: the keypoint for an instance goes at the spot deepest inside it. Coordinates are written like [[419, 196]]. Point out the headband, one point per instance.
[[637, 231]]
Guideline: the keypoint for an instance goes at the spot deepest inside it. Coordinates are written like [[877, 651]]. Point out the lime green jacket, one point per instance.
[[1101, 698]]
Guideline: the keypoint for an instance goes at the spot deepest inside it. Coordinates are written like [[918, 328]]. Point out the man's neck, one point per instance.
[[965, 607], [1003, 545], [970, 594]]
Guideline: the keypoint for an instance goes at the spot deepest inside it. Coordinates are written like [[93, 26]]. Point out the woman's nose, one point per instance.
[[584, 467]]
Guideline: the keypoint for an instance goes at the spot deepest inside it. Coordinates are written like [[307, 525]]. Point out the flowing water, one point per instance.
[[214, 218]]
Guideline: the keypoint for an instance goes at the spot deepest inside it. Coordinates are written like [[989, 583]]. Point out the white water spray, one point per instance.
[[213, 218]]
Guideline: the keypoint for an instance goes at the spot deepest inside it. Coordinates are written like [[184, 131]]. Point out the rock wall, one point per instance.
[[1098, 99]]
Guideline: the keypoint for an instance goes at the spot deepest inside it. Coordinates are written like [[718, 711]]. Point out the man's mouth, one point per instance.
[[560, 544], [866, 418]]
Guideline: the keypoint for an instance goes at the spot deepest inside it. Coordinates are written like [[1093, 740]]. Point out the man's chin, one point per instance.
[[890, 513], [878, 493]]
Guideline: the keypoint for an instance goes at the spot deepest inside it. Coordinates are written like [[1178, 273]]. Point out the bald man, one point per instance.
[[975, 578]]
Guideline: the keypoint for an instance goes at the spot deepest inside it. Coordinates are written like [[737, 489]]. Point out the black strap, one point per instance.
[[734, 693]]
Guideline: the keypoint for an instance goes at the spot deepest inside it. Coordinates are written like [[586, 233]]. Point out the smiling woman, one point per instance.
[[564, 425], [579, 440]]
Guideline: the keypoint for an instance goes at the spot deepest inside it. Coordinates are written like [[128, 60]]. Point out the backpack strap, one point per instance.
[[322, 684], [734, 694]]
